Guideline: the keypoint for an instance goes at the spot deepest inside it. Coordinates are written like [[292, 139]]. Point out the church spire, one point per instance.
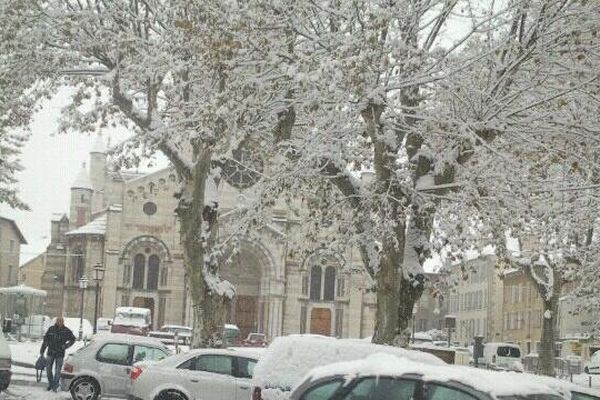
[[83, 179]]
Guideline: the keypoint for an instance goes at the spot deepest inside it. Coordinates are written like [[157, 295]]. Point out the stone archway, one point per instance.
[[248, 270]]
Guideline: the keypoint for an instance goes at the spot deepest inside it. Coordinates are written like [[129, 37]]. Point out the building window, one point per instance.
[[139, 267], [303, 316], [125, 300], [329, 290], [315, 282], [164, 276], [341, 287], [339, 322], [126, 274], [10, 274], [305, 285], [153, 268], [12, 245], [77, 266], [149, 208]]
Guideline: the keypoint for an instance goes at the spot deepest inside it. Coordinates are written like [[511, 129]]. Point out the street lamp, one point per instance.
[[414, 316], [98, 276], [83, 281]]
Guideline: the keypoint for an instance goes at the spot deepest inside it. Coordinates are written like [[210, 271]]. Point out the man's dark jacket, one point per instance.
[[57, 339]]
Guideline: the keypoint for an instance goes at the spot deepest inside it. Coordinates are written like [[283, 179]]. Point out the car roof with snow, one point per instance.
[[124, 338], [491, 382], [289, 358]]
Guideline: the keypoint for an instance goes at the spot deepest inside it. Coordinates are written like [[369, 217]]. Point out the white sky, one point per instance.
[[51, 162]]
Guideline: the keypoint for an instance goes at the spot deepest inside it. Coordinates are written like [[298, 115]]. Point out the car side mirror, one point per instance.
[[109, 323]]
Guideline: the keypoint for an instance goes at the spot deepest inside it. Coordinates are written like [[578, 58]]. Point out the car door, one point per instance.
[[147, 353], [439, 391], [113, 367], [243, 370], [210, 377]]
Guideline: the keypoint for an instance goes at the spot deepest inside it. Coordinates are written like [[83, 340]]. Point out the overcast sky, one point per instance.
[[51, 162]]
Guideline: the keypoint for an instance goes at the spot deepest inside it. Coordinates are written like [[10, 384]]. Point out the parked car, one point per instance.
[[132, 321], [506, 356], [103, 366], [387, 377], [255, 340], [567, 389], [5, 363], [209, 374], [104, 324], [289, 358], [593, 366]]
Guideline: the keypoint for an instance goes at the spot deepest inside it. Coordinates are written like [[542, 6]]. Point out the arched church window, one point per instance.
[[77, 265], [315, 282], [329, 289], [153, 268], [139, 266]]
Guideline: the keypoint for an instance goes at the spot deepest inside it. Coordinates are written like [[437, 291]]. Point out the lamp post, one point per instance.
[[83, 281], [414, 316], [98, 276]]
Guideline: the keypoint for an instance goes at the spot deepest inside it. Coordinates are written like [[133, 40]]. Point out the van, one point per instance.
[[132, 321], [504, 356]]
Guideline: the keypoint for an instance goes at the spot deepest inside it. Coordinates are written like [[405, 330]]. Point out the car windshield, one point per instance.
[[125, 318], [508, 351]]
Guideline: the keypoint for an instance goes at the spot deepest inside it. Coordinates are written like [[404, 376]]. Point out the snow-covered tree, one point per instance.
[[372, 89], [16, 108], [412, 96]]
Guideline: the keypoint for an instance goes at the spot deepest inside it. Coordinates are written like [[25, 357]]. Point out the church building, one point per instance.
[[125, 222]]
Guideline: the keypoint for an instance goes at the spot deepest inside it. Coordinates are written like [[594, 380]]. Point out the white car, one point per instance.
[[101, 369], [593, 366], [207, 374]]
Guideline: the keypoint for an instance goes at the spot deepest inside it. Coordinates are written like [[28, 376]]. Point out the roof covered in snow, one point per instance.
[[492, 382], [22, 289], [95, 227], [82, 181], [289, 358]]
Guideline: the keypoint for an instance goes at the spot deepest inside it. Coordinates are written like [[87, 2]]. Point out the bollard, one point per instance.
[[571, 376], [176, 340], [590, 380]]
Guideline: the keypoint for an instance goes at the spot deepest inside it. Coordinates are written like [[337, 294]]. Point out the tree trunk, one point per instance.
[[198, 234], [388, 298], [548, 338]]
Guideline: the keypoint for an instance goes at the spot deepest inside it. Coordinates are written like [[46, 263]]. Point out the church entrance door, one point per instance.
[[145, 302], [246, 314], [320, 321]]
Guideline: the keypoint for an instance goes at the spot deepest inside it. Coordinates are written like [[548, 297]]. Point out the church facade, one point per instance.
[[126, 223]]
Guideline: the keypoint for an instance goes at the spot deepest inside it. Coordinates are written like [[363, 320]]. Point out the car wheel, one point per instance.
[[85, 389], [171, 395]]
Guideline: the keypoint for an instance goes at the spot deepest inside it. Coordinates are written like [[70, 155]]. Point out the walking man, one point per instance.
[[57, 339]]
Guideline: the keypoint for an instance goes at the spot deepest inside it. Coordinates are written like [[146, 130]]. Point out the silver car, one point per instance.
[[207, 374], [103, 366]]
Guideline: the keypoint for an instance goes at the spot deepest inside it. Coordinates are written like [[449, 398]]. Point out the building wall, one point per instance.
[[272, 296], [432, 307], [522, 312], [475, 299], [10, 248], [30, 273]]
